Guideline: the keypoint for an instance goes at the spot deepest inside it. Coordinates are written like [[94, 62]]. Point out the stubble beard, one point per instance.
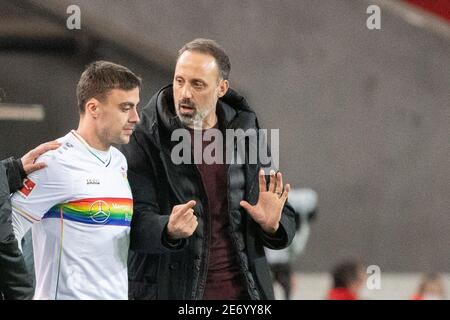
[[196, 119]]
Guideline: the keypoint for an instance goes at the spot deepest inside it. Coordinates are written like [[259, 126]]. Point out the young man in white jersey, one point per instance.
[[80, 206]]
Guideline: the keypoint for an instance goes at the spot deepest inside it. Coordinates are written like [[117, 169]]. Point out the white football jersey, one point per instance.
[[81, 208]]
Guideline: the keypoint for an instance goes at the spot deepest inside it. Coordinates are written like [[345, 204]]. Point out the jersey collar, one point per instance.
[[105, 160]]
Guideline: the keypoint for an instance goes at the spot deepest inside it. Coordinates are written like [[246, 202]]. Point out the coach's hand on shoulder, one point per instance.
[[182, 221], [28, 160], [268, 209]]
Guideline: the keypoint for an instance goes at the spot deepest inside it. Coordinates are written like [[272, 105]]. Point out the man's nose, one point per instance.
[[186, 92], [134, 116]]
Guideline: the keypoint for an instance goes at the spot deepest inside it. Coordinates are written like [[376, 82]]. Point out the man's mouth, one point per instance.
[[186, 108]]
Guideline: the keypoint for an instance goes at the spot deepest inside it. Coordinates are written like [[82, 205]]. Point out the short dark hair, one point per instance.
[[213, 49], [102, 76], [347, 272]]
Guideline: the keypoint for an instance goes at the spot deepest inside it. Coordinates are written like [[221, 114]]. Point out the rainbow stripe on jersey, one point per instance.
[[100, 211]]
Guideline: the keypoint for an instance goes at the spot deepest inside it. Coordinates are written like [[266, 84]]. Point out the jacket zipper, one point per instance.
[[233, 238], [200, 288]]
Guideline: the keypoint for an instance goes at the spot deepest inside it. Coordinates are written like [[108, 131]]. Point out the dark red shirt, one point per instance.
[[224, 279]]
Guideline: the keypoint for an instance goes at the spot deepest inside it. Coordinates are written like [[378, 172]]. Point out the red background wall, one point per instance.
[[438, 7]]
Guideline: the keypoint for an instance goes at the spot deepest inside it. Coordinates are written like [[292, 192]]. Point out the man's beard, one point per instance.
[[196, 118]]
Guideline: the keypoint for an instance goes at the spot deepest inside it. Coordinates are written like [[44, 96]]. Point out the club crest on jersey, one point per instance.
[[28, 186], [100, 211]]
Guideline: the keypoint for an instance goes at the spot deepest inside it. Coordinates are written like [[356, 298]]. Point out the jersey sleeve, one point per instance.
[[43, 189]]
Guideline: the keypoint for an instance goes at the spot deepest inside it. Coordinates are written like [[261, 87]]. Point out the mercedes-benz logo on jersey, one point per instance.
[[100, 211]]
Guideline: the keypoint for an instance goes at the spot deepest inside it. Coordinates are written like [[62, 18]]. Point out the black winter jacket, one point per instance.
[[15, 281], [159, 270]]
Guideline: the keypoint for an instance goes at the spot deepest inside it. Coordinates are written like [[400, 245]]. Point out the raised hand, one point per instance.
[[28, 160], [267, 211], [182, 221]]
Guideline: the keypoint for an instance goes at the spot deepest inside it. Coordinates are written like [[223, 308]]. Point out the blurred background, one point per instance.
[[364, 115]]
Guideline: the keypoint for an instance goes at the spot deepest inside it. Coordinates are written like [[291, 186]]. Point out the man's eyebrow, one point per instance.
[[126, 104], [198, 80]]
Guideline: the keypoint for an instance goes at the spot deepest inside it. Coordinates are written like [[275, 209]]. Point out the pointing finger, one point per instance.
[[185, 207]]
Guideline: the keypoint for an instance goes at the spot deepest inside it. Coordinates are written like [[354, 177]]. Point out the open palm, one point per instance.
[[267, 211]]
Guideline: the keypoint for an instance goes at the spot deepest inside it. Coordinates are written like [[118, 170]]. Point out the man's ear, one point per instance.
[[223, 88], [92, 107]]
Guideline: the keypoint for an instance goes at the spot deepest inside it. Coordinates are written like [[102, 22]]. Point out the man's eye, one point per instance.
[[198, 85]]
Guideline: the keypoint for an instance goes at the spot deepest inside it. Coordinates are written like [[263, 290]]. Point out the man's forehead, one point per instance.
[[197, 61], [120, 94]]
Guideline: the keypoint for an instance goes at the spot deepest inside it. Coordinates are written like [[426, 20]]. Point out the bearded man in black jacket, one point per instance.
[[199, 226], [15, 282]]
